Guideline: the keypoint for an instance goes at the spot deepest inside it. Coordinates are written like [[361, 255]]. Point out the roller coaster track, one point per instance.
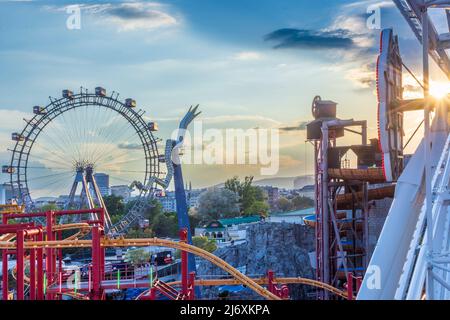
[[265, 281], [121, 242], [239, 278], [84, 229]]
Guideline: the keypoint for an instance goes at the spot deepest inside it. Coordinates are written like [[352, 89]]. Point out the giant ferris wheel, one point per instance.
[[79, 144]]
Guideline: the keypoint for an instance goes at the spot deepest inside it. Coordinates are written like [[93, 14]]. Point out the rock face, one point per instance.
[[280, 247]]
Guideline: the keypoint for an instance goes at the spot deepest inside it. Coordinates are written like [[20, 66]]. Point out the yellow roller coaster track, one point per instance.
[[265, 281], [106, 242], [239, 278]]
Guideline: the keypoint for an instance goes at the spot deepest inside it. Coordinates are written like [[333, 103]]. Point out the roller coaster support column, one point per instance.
[[20, 252], [4, 267], [96, 264], [349, 286], [49, 252], [270, 284], [33, 272], [5, 274], [191, 286], [40, 269], [184, 263]]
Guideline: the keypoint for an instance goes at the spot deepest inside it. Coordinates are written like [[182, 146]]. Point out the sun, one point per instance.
[[439, 90]]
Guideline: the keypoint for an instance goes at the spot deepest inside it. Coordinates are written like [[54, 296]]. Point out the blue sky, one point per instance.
[[248, 63]]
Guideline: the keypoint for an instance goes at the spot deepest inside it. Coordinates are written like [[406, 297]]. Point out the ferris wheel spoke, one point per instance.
[[70, 134], [57, 184], [47, 168], [34, 155], [49, 176], [112, 138], [116, 159], [41, 145]]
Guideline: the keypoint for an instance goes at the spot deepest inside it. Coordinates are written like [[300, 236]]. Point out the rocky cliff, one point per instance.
[[280, 247]]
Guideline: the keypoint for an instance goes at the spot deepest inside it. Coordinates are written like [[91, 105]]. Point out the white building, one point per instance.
[[123, 191]]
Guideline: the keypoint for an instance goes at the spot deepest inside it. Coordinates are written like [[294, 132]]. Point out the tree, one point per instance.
[[284, 204], [50, 207], [259, 208], [139, 233], [247, 195], [165, 225], [137, 257], [115, 205], [300, 202], [217, 203], [204, 243]]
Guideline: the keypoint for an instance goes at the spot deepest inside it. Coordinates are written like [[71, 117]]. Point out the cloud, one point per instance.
[[129, 146], [247, 55], [349, 46], [300, 127], [310, 39], [128, 16]]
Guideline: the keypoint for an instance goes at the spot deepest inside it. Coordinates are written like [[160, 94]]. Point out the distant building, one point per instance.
[[123, 191], [42, 201], [102, 180], [307, 191], [273, 195], [169, 203], [6, 193], [225, 230]]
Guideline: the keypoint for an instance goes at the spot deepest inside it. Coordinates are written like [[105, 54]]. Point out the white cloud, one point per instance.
[[127, 16], [247, 55]]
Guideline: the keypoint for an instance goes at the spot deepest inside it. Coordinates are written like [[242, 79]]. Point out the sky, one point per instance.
[[247, 63]]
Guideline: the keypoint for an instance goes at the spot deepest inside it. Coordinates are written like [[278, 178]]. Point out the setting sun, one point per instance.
[[439, 89]]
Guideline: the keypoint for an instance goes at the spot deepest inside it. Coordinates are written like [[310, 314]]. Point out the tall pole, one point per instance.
[[324, 206], [427, 149]]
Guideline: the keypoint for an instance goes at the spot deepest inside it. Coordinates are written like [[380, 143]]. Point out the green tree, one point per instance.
[[217, 203], [259, 208], [284, 204], [300, 202], [165, 225], [115, 205], [49, 207], [204, 243], [139, 233], [247, 194], [137, 257]]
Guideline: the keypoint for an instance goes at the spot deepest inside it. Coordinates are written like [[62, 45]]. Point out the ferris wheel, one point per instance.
[[79, 145]]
